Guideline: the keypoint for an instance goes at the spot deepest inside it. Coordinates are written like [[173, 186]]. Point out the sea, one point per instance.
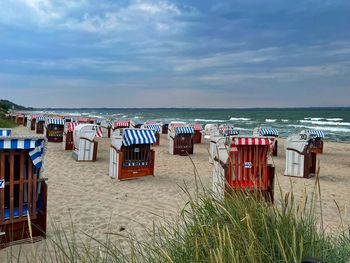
[[335, 122]]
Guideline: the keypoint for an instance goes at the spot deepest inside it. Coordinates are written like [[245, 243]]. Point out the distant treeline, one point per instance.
[[6, 105]]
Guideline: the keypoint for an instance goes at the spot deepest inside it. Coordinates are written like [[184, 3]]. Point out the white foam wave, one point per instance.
[[243, 129], [137, 117], [334, 119], [331, 123], [239, 119], [324, 128], [270, 120], [313, 119], [208, 120], [285, 120]]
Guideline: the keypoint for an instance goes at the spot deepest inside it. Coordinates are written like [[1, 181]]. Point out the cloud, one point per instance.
[[268, 49]]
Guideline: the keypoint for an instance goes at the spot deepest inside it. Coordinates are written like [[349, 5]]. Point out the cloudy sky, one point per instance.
[[184, 53]]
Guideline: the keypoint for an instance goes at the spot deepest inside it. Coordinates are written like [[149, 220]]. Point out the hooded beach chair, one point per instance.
[[156, 128], [244, 165], [131, 155], [23, 191], [54, 129], [180, 139], [197, 136], [272, 133], [300, 159], [40, 124], [85, 146]]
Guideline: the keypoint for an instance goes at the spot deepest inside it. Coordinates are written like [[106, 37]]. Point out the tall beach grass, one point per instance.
[[240, 228]]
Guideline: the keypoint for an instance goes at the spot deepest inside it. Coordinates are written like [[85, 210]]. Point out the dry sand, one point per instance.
[[82, 193]]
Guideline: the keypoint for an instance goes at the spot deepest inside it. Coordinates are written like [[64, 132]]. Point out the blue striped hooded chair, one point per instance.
[[23, 191], [54, 129], [131, 155], [180, 139], [156, 128], [317, 136], [272, 133], [40, 124]]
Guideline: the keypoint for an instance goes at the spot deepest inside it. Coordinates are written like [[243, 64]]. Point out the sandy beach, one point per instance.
[[82, 193]]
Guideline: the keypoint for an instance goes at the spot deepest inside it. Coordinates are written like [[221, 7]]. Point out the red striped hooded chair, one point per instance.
[[244, 165], [85, 146], [272, 133], [156, 128], [83, 120], [40, 124], [68, 143], [54, 128], [122, 124], [23, 191], [180, 139], [197, 136], [131, 155]]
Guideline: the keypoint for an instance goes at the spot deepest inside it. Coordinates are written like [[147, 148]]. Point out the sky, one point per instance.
[[181, 53]]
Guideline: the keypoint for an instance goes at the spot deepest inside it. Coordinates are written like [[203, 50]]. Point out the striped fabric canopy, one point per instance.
[[316, 133], [150, 122], [135, 136], [268, 132], [71, 126], [55, 121], [154, 127], [184, 130], [175, 125], [250, 141], [5, 132], [196, 126], [99, 120], [118, 124], [35, 145], [82, 119], [230, 132], [41, 118], [99, 132]]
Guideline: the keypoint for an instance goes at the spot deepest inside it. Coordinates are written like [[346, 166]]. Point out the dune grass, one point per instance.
[[240, 228], [6, 123]]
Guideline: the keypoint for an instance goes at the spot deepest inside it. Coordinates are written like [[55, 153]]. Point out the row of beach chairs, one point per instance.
[[239, 162]]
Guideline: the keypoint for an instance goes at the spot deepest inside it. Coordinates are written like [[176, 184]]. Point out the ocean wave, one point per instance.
[[285, 120], [331, 123], [270, 120], [208, 120], [239, 119], [333, 129], [313, 119], [138, 117], [334, 119], [243, 129]]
